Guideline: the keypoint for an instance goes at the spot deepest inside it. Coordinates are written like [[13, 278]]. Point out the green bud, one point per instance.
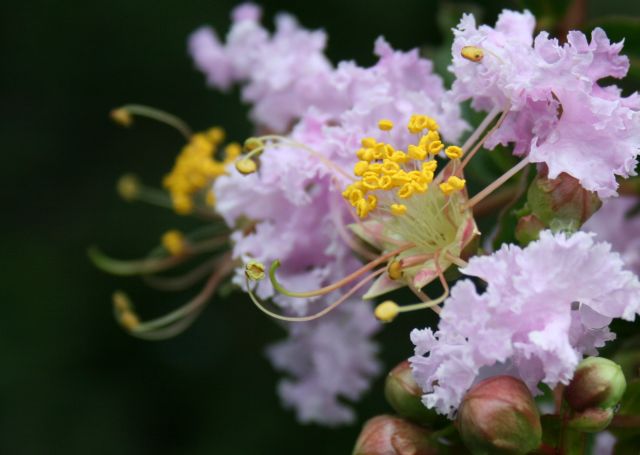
[[591, 420], [390, 435], [597, 383], [499, 415], [561, 203], [528, 229], [404, 395]]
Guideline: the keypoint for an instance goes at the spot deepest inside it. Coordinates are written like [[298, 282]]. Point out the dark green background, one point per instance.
[[71, 381]]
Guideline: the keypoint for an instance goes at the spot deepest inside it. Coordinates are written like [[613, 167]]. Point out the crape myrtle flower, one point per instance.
[[614, 223], [556, 110], [544, 307]]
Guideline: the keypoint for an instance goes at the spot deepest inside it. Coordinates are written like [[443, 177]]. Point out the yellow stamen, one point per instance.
[[398, 209], [360, 167], [452, 185], [368, 142], [385, 125], [246, 166], [173, 241], [122, 117], [128, 187], [453, 152], [386, 311], [254, 270], [472, 53]]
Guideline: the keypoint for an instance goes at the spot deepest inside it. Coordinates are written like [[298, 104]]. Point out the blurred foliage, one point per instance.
[[72, 381]]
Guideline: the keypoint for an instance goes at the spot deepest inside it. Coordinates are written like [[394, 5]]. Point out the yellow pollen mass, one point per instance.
[[398, 209], [196, 167], [453, 152], [173, 241], [394, 270], [452, 185], [385, 125], [387, 311], [128, 187], [254, 270], [360, 167], [472, 53], [416, 152], [369, 142], [246, 166]]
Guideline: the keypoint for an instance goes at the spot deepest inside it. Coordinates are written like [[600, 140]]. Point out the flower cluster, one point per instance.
[[349, 183], [558, 113], [545, 306]]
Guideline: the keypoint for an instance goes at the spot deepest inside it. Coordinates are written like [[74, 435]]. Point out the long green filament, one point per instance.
[[496, 184], [319, 314], [176, 321], [160, 116], [151, 264], [370, 266]]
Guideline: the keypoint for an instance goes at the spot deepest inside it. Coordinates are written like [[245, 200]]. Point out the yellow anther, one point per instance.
[[355, 196], [385, 125], [435, 147], [417, 153], [394, 270], [379, 151], [182, 204], [456, 182], [390, 167], [376, 168], [430, 166], [385, 182], [252, 144], [371, 182], [387, 311], [398, 209], [122, 117], [419, 186], [216, 135], [368, 142], [362, 209], [232, 151], [128, 187], [399, 157], [121, 301], [452, 185], [365, 154], [246, 166], [430, 137], [372, 202], [400, 178], [129, 320], [388, 151], [173, 241], [254, 270], [418, 123], [360, 167], [211, 199], [472, 53], [406, 191], [453, 152]]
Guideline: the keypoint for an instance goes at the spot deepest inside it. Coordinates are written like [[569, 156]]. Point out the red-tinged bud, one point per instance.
[[404, 395], [562, 202], [591, 420], [390, 435], [528, 229], [498, 415], [597, 383]]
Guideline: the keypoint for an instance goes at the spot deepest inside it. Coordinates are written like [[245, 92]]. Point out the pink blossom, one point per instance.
[[544, 307], [559, 115]]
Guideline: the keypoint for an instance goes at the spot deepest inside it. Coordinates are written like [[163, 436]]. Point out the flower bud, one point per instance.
[[528, 229], [498, 415], [561, 200], [597, 383], [390, 435], [591, 420], [404, 395]]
